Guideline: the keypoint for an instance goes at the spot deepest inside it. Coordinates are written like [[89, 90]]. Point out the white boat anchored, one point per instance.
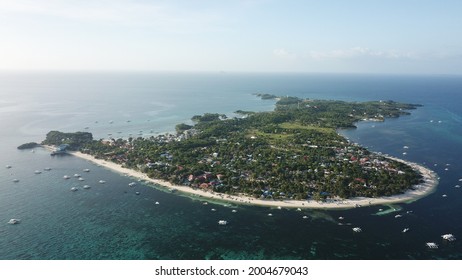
[[81, 179], [86, 187], [8, 166], [86, 170], [132, 184], [38, 172], [76, 175], [405, 230], [14, 221], [66, 177], [101, 181], [73, 189], [398, 216], [47, 169], [222, 222], [432, 245], [357, 229], [15, 180], [448, 237]]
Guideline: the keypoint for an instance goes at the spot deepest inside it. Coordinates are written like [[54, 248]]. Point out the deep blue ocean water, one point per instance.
[[109, 221]]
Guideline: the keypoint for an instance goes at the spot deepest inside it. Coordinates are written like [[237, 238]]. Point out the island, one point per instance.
[[29, 145], [291, 156]]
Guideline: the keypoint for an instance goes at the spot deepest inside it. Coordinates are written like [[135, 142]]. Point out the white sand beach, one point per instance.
[[429, 185]]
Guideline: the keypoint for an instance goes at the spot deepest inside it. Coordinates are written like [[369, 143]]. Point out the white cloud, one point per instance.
[[283, 53], [358, 52]]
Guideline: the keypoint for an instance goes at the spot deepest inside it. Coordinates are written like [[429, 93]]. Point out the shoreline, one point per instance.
[[430, 179]]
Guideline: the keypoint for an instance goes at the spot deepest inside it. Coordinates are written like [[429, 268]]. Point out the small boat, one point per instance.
[[431, 245], [73, 189], [279, 207], [14, 221], [47, 169], [341, 218], [132, 184], [404, 153], [457, 186], [234, 210], [405, 147], [205, 203], [222, 222], [81, 179], [444, 195], [137, 193], [15, 180], [86, 187], [448, 237], [299, 209], [357, 229], [446, 169], [101, 181], [460, 180], [398, 216], [157, 203], [86, 170], [270, 215], [8, 166], [213, 209], [305, 217], [66, 177], [76, 175], [405, 230]]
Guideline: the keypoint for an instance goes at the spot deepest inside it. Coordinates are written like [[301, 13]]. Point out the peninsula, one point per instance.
[[289, 157]]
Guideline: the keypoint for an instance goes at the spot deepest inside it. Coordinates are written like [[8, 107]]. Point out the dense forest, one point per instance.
[[293, 152]]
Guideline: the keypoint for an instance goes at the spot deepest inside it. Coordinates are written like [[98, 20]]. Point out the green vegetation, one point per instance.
[[74, 140], [292, 152], [208, 117], [30, 145], [182, 127], [266, 96]]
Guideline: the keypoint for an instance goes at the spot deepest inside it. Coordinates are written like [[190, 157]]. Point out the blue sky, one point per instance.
[[348, 36]]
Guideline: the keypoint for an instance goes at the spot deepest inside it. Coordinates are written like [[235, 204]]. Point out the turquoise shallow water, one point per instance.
[[109, 221]]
